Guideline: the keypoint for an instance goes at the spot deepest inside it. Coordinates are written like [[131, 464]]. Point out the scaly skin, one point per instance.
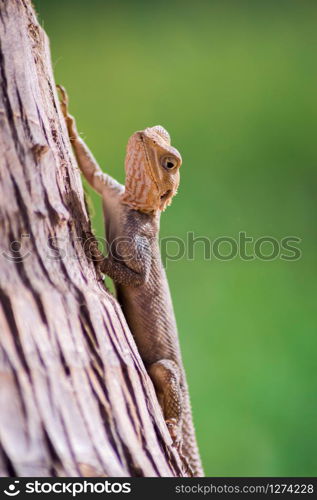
[[132, 218]]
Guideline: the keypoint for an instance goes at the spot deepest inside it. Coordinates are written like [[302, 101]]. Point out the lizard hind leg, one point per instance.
[[165, 376]]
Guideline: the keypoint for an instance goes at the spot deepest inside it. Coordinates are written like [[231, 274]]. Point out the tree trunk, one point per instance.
[[75, 398]]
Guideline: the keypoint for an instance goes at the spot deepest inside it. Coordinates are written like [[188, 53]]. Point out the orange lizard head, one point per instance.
[[152, 170]]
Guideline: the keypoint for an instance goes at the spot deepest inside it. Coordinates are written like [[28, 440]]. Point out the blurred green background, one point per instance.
[[235, 83]]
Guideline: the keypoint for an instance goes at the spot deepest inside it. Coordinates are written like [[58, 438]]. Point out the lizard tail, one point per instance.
[[189, 445]]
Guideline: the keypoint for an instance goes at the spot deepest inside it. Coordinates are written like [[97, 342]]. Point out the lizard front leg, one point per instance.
[[88, 165], [165, 376], [128, 262]]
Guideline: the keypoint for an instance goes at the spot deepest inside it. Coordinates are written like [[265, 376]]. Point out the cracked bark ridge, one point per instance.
[[75, 399]]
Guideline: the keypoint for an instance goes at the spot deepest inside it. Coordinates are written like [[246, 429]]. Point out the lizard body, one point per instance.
[[132, 219]]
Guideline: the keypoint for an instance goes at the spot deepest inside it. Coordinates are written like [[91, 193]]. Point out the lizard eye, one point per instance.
[[168, 162]]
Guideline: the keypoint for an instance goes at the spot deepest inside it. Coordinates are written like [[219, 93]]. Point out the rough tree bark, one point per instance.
[[75, 398]]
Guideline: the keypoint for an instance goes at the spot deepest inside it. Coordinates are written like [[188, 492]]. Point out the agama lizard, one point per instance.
[[132, 219]]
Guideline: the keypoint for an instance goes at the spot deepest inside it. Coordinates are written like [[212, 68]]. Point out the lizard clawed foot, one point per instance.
[[176, 434], [174, 431], [63, 99], [70, 120]]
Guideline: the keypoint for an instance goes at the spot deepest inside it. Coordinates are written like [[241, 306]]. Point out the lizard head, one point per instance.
[[152, 170]]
